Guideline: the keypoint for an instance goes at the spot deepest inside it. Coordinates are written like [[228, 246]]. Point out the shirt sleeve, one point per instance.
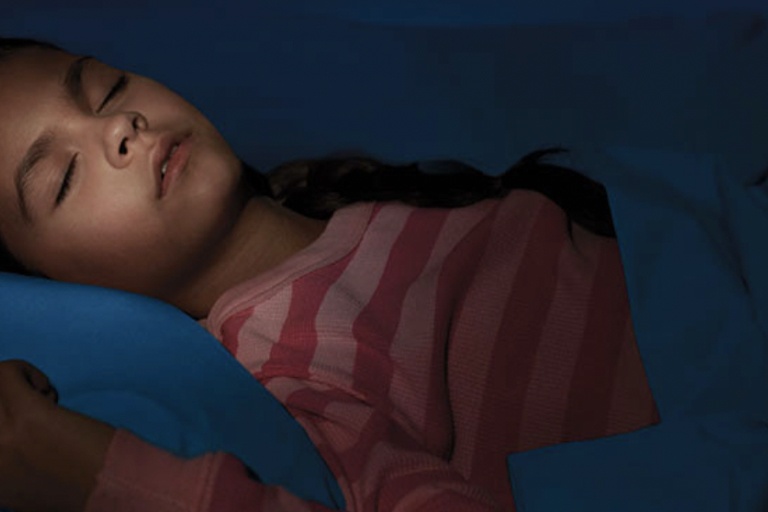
[[138, 477], [382, 465]]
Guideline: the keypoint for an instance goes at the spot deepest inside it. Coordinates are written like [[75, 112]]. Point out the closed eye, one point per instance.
[[66, 182], [117, 88]]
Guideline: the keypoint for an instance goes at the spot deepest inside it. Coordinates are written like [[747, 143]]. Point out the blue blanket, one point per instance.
[[694, 243]]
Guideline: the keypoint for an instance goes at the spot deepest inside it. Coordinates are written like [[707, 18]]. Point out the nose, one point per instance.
[[121, 136]]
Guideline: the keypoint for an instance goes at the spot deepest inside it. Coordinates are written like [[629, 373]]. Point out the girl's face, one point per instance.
[[85, 192]]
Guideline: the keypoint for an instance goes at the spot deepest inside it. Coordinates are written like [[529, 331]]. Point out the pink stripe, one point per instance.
[[591, 390], [456, 274], [230, 331], [515, 348], [308, 403], [377, 323], [416, 346], [262, 330], [546, 400], [418, 490], [361, 431], [632, 405], [374, 331], [504, 270], [292, 355], [336, 349], [341, 233]]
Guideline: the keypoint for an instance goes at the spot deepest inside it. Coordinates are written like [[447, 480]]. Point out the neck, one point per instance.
[[264, 236]]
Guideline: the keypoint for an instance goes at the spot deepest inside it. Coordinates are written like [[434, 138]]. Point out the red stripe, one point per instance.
[[293, 353], [377, 428], [515, 347], [235, 490], [309, 404], [230, 330], [373, 365], [633, 405], [458, 271], [453, 493], [376, 325], [592, 385]]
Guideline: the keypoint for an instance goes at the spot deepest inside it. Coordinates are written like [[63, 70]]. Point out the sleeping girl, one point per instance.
[[419, 325]]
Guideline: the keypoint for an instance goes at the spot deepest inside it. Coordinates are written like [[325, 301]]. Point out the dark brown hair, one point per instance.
[[316, 188]]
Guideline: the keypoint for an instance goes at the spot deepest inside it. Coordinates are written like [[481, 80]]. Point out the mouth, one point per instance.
[[164, 167], [170, 160]]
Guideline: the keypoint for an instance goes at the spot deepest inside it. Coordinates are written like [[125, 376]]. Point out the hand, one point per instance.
[[49, 456]]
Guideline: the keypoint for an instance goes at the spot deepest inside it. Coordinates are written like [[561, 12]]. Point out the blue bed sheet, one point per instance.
[[694, 243], [676, 92]]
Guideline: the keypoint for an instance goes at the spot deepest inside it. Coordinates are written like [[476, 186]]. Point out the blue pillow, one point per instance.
[[140, 364]]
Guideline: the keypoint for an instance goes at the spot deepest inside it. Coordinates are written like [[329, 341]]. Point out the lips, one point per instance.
[[164, 166], [169, 161]]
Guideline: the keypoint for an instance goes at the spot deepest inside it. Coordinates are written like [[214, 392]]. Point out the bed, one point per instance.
[[665, 105]]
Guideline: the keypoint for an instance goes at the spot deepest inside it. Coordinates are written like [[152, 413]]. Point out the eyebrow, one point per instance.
[[73, 79], [72, 83]]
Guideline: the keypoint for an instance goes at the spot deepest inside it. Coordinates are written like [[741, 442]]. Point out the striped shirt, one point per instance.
[[418, 347]]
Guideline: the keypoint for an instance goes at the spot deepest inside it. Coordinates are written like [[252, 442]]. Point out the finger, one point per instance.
[[17, 375], [40, 382]]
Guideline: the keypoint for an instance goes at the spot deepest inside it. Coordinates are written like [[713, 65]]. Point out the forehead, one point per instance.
[[31, 67], [30, 85]]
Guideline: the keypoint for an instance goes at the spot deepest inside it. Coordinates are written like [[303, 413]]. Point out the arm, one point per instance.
[[49, 456], [381, 464], [380, 467], [139, 476], [55, 459]]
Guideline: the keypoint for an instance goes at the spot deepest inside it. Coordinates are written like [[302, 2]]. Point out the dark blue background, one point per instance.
[[483, 81]]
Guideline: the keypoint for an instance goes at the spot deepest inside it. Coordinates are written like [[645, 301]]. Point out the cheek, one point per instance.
[[127, 240], [112, 248], [97, 239], [145, 248]]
